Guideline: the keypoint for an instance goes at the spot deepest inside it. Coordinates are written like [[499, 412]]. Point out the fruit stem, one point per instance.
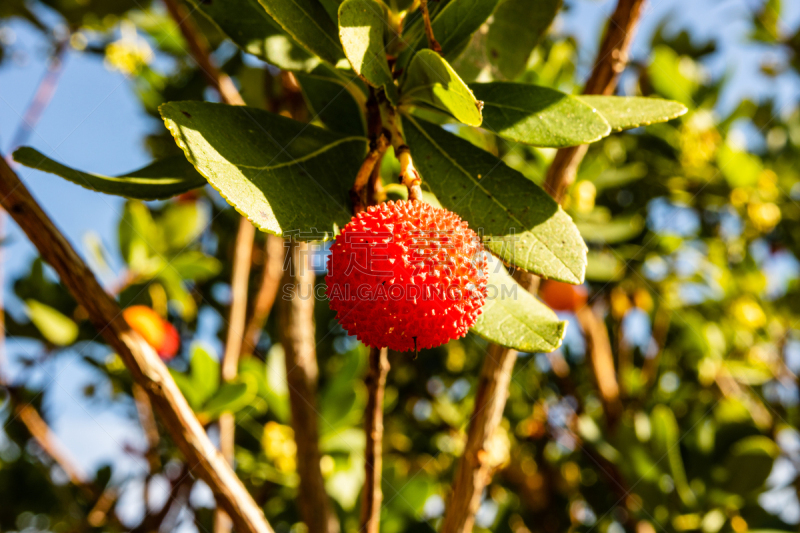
[[359, 192], [409, 175]]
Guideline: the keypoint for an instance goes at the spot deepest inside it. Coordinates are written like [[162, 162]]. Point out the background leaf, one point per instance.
[[517, 26], [249, 25], [308, 23], [537, 115], [333, 100], [158, 180], [361, 30], [282, 175], [514, 317], [625, 112], [57, 328], [521, 223], [431, 80]]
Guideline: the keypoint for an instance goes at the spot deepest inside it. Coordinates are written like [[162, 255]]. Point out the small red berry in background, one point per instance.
[[158, 333], [407, 275], [563, 296]]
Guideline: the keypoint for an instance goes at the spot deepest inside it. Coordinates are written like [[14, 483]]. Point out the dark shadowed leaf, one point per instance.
[[431, 80], [521, 223], [625, 112], [454, 24], [158, 180], [361, 29], [334, 100], [516, 28], [249, 25], [537, 115], [515, 318], [281, 174], [309, 24], [758, 453]]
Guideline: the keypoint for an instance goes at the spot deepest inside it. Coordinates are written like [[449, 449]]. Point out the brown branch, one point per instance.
[[48, 442], [426, 18], [148, 422], [598, 348], [146, 368], [242, 259], [373, 428], [267, 291], [610, 63], [198, 49], [299, 343]]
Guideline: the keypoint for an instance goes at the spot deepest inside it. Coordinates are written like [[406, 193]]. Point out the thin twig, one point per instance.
[[373, 428], [426, 18], [242, 259], [610, 62], [145, 366], [598, 347], [267, 291], [198, 49], [299, 344]]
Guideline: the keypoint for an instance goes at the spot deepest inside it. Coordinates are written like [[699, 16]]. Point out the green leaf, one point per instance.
[[309, 24], [758, 453], [254, 31], [626, 112], [361, 29], [666, 438], [181, 223], [186, 386], [281, 174], [604, 266], [619, 229], [517, 26], [431, 80], [231, 397], [196, 266], [158, 180], [55, 327], [205, 373], [515, 318], [537, 115], [521, 223], [455, 23], [336, 102]]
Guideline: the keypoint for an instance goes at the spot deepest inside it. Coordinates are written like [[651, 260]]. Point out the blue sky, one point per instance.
[[95, 123]]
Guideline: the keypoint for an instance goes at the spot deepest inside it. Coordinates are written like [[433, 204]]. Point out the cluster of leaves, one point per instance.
[[681, 225]]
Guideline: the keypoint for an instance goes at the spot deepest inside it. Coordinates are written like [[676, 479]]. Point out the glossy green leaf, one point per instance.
[[537, 115], [626, 112], [281, 174], [52, 324], [309, 24], [516, 28], [249, 25], [333, 100], [361, 30], [521, 223], [431, 80], [515, 318], [158, 180], [666, 438], [758, 453]]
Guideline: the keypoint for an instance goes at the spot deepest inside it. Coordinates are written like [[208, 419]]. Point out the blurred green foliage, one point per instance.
[[693, 243]]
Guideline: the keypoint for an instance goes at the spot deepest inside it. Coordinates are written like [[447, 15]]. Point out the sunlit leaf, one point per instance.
[[626, 112], [361, 29], [54, 326], [309, 24]]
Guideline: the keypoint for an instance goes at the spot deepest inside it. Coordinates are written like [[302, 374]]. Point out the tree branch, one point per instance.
[[610, 62], [473, 475], [267, 291], [145, 366], [426, 18], [198, 49], [598, 348], [299, 343], [373, 428]]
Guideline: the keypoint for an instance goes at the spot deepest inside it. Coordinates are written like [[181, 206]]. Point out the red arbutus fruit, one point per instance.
[[407, 276], [157, 332]]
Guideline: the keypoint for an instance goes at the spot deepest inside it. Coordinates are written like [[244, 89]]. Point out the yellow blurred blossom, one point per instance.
[[584, 196], [764, 215], [279, 446], [130, 54], [747, 311]]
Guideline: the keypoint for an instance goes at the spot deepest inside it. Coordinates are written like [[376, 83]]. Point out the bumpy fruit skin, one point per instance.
[[158, 333], [405, 270]]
